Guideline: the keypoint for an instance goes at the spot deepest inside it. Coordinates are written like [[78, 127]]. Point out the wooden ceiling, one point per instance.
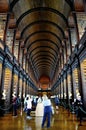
[[41, 24]]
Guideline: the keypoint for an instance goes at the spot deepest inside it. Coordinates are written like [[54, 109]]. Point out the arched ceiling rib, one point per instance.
[[50, 42], [48, 53], [42, 24], [44, 57], [38, 25], [42, 34], [41, 48], [39, 10]]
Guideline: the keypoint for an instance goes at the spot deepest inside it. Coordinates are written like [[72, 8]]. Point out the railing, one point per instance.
[[75, 109]]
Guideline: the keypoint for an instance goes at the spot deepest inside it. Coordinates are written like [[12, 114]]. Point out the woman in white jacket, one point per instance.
[[29, 106]]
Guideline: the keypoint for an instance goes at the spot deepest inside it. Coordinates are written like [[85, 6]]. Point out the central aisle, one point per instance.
[[61, 120]]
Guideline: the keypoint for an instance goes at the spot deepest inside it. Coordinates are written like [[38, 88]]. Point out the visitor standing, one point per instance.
[[47, 111]]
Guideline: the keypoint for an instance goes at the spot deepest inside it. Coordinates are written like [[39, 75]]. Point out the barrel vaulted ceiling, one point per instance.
[[42, 25]]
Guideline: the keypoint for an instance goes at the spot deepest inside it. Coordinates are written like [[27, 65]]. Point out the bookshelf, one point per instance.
[[75, 82], [7, 84]]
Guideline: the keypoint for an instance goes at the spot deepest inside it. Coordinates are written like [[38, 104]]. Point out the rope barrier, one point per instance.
[[77, 109], [82, 110], [73, 108], [5, 109]]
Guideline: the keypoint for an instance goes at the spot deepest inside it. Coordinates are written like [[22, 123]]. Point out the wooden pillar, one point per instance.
[[67, 97], [63, 88], [63, 57], [22, 88], [12, 81], [70, 41], [72, 83], [26, 86], [3, 74], [60, 88]]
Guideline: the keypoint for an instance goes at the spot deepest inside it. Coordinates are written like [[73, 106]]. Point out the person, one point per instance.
[[1, 105], [47, 111], [25, 104], [29, 106], [34, 103], [14, 105], [79, 105], [56, 102]]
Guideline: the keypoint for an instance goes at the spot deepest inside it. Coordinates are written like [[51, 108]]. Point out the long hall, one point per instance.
[[43, 52]]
